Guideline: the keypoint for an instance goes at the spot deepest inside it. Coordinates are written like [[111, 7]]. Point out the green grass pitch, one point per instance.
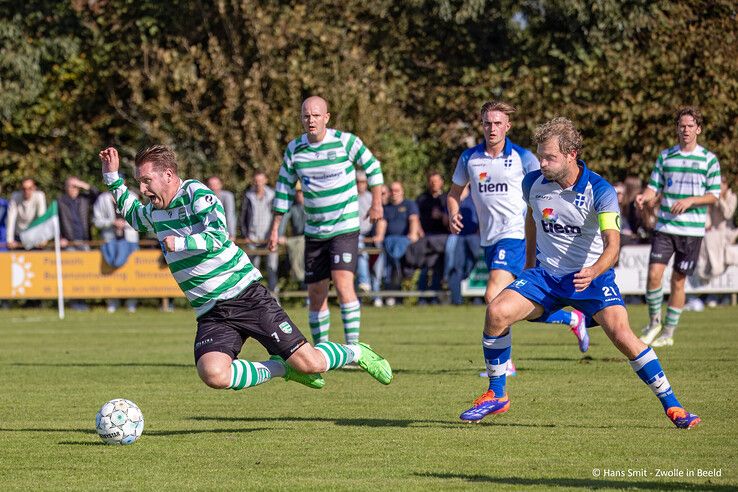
[[576, 422]]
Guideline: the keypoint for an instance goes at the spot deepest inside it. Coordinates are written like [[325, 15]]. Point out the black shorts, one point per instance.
[[325, 255], [254, 313], [686, 251]]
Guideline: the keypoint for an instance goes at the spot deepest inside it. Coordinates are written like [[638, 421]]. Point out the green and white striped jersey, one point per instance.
[[678, 175], [326, 170], [207, 265]]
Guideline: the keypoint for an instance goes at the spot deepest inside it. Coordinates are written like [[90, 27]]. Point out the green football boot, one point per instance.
[[314, 381], [375, 364]]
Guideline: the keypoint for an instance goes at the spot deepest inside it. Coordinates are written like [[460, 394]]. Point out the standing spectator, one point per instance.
[[75, 212], [256, 217], [295, 241], [25, 206], [467, 248], [688, 177], [434, 226], [399, 228], [228, 201], [365, 229], [120, 240], [3, 218], [719, 235]]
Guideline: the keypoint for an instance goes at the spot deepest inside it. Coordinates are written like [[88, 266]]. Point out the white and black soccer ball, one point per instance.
[[119, 421]]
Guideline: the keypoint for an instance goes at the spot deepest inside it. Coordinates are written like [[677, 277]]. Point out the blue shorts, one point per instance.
[[554, 292], [506, 254]]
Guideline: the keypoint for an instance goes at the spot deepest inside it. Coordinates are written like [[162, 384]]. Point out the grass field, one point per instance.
[[572, 417]]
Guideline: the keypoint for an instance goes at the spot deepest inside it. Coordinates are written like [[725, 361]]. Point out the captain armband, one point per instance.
[[609, 220]]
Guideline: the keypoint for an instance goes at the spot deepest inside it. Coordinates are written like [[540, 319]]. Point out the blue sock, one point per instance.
[[559, 317], [497, 352], [648, 368]]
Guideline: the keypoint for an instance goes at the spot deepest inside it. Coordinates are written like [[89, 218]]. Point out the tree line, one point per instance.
[[222, 80]]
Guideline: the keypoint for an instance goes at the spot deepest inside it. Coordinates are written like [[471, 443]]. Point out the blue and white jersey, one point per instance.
[[567, 220], [496, 189]]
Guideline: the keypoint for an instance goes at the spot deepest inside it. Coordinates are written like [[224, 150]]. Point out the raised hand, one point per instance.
[[110, 160]]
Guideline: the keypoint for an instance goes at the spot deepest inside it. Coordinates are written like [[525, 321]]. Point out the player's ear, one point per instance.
[[327, 117], [699, 130]]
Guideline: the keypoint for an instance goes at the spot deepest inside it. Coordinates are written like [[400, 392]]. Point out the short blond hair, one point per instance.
[[570, 140], [500, 106]]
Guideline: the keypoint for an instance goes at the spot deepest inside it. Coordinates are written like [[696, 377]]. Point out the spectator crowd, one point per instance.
[[410, 248]]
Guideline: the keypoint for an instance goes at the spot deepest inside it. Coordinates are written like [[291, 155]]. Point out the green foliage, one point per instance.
[[223, 81]]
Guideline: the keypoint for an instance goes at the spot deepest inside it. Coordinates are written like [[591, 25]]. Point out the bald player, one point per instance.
[[324, 160]]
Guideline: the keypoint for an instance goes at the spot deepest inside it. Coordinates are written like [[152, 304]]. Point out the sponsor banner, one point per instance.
[[32, 275], [630, 275]]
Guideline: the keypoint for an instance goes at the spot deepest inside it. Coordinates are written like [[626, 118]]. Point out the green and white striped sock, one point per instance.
[[672, 316], [320, 325], [351, 316], [654, 299], [245, 374], [337, 355]]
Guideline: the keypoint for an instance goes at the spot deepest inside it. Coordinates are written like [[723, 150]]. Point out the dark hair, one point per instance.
[[500, 106], [562, 128], [161, 156], [688, 111]]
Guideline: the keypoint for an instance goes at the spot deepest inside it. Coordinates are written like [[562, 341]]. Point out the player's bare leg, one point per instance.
[[350, 306], [319, 316], [654, 299]]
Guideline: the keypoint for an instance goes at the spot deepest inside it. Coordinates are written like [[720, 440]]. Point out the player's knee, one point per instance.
[[214, 376], [497, 315]]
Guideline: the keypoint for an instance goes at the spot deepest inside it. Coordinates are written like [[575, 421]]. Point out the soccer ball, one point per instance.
[[119, 421]]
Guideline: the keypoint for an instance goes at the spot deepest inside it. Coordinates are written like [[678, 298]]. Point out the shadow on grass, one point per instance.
[[408, 423], [584, 483], [149, 433], [104, 364]]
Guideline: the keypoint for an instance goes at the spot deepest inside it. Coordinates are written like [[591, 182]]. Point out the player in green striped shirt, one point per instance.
[[220, 282], [687, 176], [324, 160]]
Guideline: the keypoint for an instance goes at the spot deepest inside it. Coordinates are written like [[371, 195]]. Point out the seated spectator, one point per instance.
[[120, 240], [399, 227], [24, 207], [228, 201], [256, 222], [467, 250], [433, 223]]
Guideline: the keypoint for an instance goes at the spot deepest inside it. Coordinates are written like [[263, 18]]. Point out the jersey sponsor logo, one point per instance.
[[487, 186], [306, 180], [550, 225], [544, 197], [285, 327]]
